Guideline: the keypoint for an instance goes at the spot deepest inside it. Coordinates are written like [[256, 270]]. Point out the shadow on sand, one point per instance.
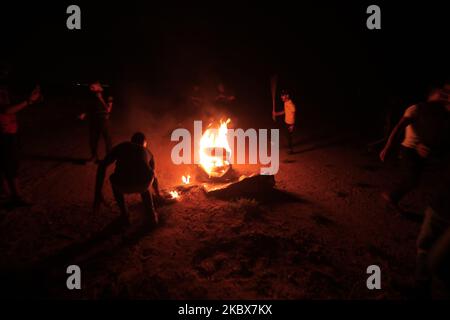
[[41, 278], [271, 197], [277, 196], [50, 158], [318, 145]]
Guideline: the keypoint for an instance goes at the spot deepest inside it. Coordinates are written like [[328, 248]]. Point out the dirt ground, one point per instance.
[[312, 238]]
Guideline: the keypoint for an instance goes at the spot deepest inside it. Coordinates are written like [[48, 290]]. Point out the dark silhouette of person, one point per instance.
[[445, 93], [433, 243], [223, 97], [196, 97], [134, 173], [9, 149], [426, 127], [98, 112]]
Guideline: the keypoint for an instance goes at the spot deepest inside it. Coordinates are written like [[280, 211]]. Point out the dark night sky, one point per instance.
[[316, 47]]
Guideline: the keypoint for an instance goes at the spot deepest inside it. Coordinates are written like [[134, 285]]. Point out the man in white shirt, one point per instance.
[[289, 117], [423, 125]]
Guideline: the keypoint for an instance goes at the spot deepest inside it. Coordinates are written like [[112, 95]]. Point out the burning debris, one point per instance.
[[215, 151], [186, 179], [174, 194], [222, 180], [245, 186], [215, 173]]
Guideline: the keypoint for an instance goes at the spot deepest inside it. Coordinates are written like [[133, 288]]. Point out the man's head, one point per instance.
[[96, 87], [139, 138], [221, 88], [285, 95], [446, 91], [434, 95]]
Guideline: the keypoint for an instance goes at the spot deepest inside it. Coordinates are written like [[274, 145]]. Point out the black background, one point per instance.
[[320, 46]]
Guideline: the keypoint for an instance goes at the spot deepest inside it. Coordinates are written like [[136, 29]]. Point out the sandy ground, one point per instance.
[[313, 238]]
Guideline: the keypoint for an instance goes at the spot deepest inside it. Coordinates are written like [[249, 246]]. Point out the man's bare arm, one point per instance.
[[110, 104], [11, 109], [280, 113], [104, 104], [400, 127], [34, 97]]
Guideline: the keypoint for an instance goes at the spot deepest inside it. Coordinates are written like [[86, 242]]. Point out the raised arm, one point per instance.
[[34, 97]]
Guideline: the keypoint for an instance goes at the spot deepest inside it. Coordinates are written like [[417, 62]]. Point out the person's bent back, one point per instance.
[[133, 170]]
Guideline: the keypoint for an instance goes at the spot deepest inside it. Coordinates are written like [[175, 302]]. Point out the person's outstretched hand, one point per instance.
[[383, 154], [423, 150], [36, 95]]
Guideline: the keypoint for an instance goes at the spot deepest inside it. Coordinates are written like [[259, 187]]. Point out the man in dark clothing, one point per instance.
[[98, 112], [9, 155], [134, 173], [433, 243], [440, 265]]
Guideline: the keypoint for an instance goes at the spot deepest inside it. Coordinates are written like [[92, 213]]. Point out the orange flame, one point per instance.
[[174, 194], [186, 179], [215, 141]]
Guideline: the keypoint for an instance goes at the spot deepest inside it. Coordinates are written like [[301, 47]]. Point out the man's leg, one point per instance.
[[106, 135], [10, 186], [156, 186], [425, 241], [431, 231], [149, 206], [13, 188], [94, 137], [440, 265], [290, 133], [412, 167], [120, 199], [11, 171]]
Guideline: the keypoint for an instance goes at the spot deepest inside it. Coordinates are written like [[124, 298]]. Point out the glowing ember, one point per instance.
[[174, 194], [215, 150], [186, 179]]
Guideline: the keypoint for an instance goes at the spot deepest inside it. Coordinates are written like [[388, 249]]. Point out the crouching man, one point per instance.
[[134, 173]]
